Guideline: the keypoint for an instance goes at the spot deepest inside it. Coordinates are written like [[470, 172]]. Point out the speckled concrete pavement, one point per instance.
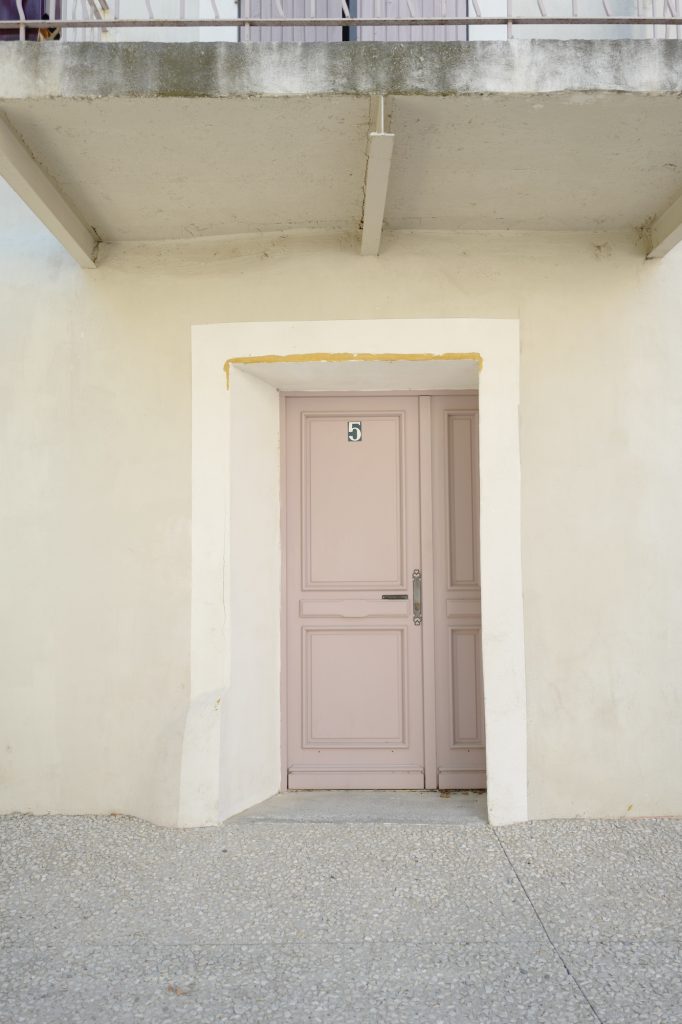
[[114, 921]]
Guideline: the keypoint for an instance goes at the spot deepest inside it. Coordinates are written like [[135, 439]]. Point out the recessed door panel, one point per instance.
[[355, 687], [353, 502], [466, 713], [462, 534], [354, 674]]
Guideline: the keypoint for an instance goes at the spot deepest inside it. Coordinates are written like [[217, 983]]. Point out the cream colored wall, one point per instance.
[[94, 533], [95, 449]]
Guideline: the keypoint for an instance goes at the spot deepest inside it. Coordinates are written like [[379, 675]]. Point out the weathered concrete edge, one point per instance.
[[152, 70]]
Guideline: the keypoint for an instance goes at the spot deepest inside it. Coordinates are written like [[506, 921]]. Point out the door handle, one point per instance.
[[417, 597]]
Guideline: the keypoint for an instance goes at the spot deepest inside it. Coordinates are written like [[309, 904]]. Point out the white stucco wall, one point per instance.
[[95, 518]]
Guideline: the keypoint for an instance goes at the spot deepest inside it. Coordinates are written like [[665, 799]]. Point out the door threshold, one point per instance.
[[339, 806]]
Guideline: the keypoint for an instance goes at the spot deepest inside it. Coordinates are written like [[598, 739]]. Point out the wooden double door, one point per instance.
[[383, 675]]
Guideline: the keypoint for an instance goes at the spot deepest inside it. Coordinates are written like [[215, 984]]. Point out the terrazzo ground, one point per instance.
[[271, 917]]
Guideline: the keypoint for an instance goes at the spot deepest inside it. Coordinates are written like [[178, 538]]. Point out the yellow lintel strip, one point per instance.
[[349, 357]]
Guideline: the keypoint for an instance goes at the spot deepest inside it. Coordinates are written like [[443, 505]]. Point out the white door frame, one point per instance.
[[231, 751]]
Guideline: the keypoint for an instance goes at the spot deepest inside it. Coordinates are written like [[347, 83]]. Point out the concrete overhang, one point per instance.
[[169, 141]]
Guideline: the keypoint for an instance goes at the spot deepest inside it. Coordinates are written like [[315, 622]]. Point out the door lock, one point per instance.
[[417, 597]]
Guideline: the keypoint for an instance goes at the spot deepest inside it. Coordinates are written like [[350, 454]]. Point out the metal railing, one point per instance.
[[314, 20]]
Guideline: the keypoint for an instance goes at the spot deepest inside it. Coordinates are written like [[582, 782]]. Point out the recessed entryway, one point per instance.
[[383, 671], [232, 752]]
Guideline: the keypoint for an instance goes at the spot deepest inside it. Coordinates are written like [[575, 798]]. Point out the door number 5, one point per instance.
[[354, 430]]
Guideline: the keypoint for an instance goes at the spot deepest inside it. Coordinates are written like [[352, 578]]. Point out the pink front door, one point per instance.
[[355, 703], [356, 671]]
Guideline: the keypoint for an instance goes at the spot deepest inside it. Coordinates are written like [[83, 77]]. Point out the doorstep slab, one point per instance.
[[399, 807]]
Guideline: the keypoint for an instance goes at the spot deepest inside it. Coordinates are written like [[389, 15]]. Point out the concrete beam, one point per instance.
[[376, 188], [666, 231], [30, 182], [377, 172], [200, 69]]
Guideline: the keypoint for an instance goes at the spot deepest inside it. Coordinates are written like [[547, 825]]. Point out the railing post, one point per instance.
[[510, 15], [22, 17]]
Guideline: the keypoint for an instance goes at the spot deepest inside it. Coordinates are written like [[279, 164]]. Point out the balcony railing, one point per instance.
[[339, 20]]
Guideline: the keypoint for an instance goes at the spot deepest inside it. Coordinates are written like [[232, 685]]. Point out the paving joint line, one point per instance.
[[556, 949]]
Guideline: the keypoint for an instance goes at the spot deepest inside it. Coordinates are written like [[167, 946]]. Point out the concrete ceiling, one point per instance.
[[179, 168], [564, 162], [168, 167]]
